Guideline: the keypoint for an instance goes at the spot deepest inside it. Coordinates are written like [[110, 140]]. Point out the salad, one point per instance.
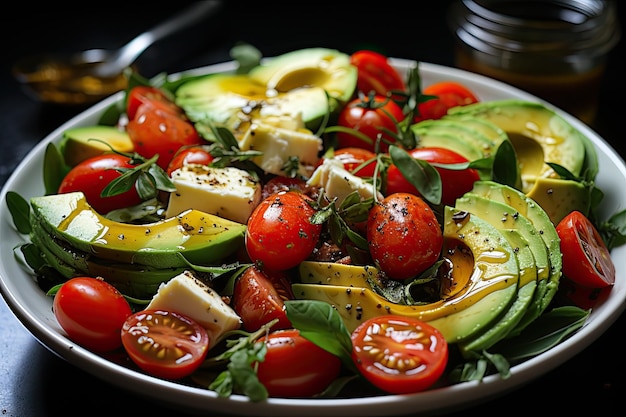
[[301, 217]]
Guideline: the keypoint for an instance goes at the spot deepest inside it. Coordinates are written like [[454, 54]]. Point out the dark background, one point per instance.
[[34, 382]]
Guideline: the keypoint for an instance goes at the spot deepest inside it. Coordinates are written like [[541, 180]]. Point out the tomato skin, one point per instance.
[[295, 367], [258, 298], [586, 260], [280, 234], [165, 344], [383, 342], [449, 94], [353, 157], [375, 73], [370, 116], [156, 130], [281, 183], [397, 219], [92, 312], [189, 155], [92, 175], [141, 94], [454, 183]]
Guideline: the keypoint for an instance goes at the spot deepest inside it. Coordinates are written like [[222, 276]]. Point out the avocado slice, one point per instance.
[[326, 68], [519, 232], [235, 100], [545, 229], [538, 135], [78, 144], [483, 277], [461, 130], [469, 150], [558, 197], [490, 130], [332, 273], [201, 238]]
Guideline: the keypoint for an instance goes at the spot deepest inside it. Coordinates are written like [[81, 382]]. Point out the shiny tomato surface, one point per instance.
[[447, 94], [295, 367], [165, 344], [454, 182], [375, 73], [92, 312], [196, 154], [404, 235], [399, 355], [280, 233], [92, 175]]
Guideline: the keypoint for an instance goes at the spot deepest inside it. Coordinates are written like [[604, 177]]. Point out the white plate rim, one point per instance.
[[33, 309]]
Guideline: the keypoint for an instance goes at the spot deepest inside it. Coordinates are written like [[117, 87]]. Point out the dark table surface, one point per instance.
[[35, 382]]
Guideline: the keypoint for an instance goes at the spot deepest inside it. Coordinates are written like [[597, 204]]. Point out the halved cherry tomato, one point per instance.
[[404, 235], [586, 259], [165, 344], [189, 155], [156, 129], [454, 183], [280, 234], [259, 297], [376, 73], [449, 94], [295, 367], [372, 116], [399, 355], [92, 312], [92, 175], [147, 94]]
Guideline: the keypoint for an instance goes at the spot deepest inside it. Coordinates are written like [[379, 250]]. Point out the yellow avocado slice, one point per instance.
[[481, 283]]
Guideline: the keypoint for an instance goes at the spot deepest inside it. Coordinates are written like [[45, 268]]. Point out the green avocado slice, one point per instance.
[[519, 232], [200, 238], [463, 131], [483, 282], [545, 229]]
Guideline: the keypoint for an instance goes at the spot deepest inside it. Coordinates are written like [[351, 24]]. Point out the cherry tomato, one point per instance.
[[454, 183], [165, 344], [586, 259], [449, 94], [372, 116], [258, 298], [280, 234], [92, 312], [353, 160], [156, 130], [375, 73], [404, 235], [294, 366], [147, 94], [92, 175], [281, 183], [399, 355], [189, 155]]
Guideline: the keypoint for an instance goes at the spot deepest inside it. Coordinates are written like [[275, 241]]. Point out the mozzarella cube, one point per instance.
[[185, 294], [229, 192], [339, 183]]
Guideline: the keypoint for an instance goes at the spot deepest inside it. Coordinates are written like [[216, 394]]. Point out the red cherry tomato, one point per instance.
[[156, 129], [454, 183], [354, 160], [372, 116], [258, 298], [92, 175], [92, 312], [280, 234], [404, 235], [399, 355], [586, 259], [189, 155], [165, 344], [449, 94], [294, 366], [147, 94], [281, 183], [375, 73]]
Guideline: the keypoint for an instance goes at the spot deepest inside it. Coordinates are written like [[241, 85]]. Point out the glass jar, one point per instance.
[[553, 49]]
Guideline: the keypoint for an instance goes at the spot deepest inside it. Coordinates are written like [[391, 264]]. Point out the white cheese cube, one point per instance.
[[339, 183], [278, 145], [185, 294], [229, 192]]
